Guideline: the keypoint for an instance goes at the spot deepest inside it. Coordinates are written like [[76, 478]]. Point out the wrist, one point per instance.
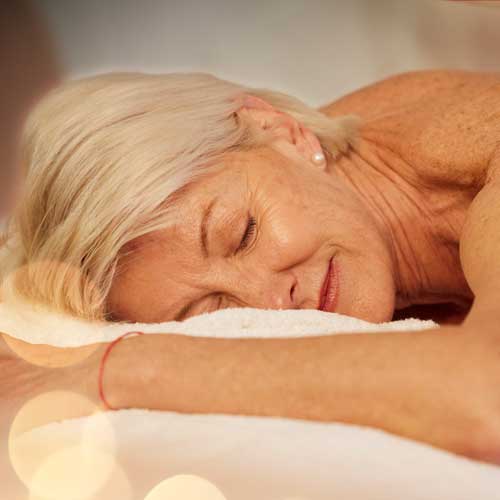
[[128, 373], [102, 366]]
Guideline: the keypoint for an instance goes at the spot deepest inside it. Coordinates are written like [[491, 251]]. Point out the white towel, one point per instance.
[[37, 326], [248, 458]]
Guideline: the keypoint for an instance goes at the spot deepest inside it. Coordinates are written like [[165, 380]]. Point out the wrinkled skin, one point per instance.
[[304, 216], [391, 212], [411, 214]]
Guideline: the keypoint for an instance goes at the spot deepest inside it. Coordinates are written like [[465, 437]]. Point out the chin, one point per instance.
[[376, 307], [365, 289], [374, 315]]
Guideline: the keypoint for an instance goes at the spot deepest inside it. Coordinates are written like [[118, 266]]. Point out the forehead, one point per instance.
[[229, 184], [225, 183]]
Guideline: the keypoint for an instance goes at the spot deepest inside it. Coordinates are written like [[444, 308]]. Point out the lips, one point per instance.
[[329, 290]]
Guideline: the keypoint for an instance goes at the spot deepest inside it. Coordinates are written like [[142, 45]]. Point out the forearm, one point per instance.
[[426, 386], [429, 386], [343, 377]]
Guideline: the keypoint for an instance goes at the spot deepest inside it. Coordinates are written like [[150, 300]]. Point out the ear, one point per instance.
[[290, 137]]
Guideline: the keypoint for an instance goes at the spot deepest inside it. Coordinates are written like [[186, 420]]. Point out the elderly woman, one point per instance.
[[152, 198]]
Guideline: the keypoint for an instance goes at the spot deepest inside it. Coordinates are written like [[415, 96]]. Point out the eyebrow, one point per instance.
[[204, 228]]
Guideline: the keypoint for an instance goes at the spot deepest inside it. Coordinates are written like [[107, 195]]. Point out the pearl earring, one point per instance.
[[318, 158]]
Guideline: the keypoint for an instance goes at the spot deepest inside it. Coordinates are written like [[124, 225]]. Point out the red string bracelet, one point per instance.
[[103, 362]]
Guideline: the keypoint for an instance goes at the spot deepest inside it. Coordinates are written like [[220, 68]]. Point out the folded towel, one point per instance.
[[248, 458], [38, 326]]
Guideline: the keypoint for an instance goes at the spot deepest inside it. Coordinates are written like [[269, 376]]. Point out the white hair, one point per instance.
[[103, 157]]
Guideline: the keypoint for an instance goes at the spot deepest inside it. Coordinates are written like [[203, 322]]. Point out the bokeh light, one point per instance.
[[49, 356], [185, 487], [117, 487], [31, 315], [59, 465]]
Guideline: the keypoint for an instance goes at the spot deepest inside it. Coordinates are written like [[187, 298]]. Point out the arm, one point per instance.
[[480, 250], [415, 384]]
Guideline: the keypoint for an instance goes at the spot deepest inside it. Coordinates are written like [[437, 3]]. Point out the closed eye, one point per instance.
[[248, 234]]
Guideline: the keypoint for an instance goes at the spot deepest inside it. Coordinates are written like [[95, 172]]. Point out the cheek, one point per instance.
[[350, 222], [294, 224], [289, 235], [302, 212], [367, 288]]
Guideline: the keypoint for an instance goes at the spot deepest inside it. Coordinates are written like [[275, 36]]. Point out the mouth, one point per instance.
[[329, 290]]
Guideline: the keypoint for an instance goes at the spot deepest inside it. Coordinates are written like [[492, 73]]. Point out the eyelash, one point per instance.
[[219, 303], [249, 232]]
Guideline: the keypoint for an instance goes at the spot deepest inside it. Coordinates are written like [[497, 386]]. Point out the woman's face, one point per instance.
[[263, 232]]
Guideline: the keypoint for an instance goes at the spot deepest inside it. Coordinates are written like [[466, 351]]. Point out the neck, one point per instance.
[[421, 225]]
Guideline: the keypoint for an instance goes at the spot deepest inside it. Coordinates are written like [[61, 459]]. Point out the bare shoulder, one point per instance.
[[455, 130], [381, 97], [444, 123]]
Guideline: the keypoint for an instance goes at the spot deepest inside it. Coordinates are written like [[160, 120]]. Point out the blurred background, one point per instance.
[[314, 49]]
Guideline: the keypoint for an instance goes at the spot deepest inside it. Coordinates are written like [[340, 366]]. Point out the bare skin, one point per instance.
[[410, 214], [406, 188]]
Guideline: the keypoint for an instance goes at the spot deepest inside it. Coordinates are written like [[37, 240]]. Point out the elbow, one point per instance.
[[481, 441]]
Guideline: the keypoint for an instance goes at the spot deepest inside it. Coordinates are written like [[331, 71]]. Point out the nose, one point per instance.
[[282, 295], [274, 292], [261, 287]]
